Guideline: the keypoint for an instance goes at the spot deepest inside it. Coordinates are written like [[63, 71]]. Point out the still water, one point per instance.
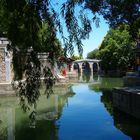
[[83, 111]]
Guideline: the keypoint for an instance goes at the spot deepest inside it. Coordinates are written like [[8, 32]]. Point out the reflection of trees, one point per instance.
[[124, 122], [48, 111], [106, 98], [3, 127], [95, 77], [86, 75], [107, 83], [44, 130], [127, 124]]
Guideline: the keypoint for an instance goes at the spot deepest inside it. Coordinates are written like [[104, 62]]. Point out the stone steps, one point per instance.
[[6, 90]]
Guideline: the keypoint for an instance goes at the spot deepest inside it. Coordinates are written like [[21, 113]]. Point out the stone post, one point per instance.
[[72, 67], [98, 67], [80, 67], [81, 72], [7, 66], [2, 64], [91, 66]]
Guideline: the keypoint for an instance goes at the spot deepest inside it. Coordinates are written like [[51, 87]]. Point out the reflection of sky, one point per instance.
[[85, 118]]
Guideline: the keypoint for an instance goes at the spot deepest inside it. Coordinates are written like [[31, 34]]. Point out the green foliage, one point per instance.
[[116, 50], [34, 23], [94, 54], [76, 57], [30, 24], [118, 12]]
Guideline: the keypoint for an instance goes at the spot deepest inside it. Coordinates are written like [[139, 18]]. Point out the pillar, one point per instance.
[[80, 67], [98, 67], [7, 65], [72, 67], [81, 72], [91, 66]]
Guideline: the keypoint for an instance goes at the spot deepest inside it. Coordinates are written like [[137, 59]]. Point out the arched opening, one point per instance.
[[86, 71], [76, 67], [95, 67], [86, 66]]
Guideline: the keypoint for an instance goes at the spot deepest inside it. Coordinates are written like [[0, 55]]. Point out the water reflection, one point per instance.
[[129, 125], [86, 76], [83, 112], [14, 124]]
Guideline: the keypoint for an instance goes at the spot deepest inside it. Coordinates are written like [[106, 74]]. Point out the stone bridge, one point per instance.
[[90, 62]]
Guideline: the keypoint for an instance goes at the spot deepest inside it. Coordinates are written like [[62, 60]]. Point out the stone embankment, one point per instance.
[[127, 99], [6, 89]]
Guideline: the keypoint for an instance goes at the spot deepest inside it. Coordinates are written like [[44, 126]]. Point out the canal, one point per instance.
[[84, 111]]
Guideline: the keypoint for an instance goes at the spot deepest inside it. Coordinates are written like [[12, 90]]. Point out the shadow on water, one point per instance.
[[126, 123]]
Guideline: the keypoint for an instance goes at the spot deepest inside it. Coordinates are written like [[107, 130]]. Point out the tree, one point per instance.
[[25, 21], [30, 27], [117, 12], [93, 54], [74, 57], [116, 50]]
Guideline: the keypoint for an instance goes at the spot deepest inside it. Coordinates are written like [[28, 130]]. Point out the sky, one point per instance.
[[96, 37]]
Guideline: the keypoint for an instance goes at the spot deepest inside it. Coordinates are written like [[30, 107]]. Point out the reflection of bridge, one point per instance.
[[90, 62], [89, 66], [90, 78]]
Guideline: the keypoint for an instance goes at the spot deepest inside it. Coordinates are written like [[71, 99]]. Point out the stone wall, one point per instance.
[[5, 64], [2, 66], [127, 100], [2, 73]]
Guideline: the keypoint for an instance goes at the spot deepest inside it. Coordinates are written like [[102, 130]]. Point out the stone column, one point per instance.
[[72, 67], [7, 66], [98, 67], [81, 72], [91, 76], [2, 64], [91, 66], [80, 67], [81, 77]]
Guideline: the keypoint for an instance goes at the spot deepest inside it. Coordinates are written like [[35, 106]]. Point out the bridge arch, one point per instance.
[[93, 64], [76, 66]]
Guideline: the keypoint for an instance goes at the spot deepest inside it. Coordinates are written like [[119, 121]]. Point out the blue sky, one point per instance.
[[96, 37]]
